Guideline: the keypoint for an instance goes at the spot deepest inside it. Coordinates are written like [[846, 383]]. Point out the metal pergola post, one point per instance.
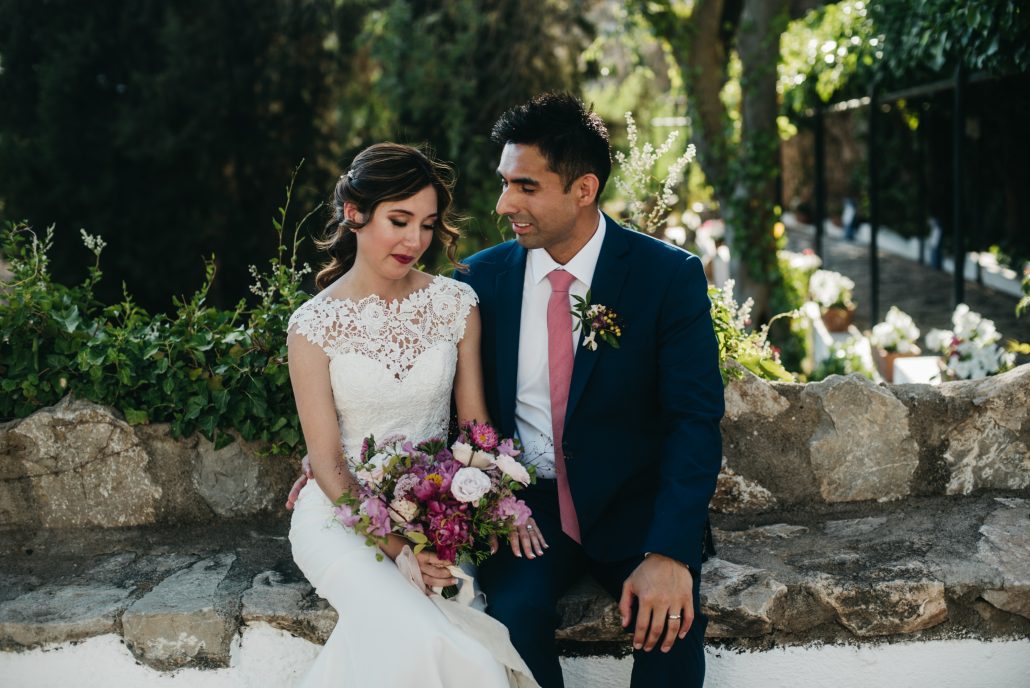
[[958, 204], [874, 207], [820, 179]]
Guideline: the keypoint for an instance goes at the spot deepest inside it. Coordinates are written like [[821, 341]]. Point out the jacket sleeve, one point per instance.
[[691, 401]]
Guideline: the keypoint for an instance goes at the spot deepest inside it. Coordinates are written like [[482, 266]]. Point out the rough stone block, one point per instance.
[[891, 601], [740, 601], [1005, 545], [862, 448], [991, 447], [56, 614], [85, 466], [186, 620], [289, 605]]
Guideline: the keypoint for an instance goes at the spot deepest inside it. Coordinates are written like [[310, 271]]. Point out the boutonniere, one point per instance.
[[596, 321]]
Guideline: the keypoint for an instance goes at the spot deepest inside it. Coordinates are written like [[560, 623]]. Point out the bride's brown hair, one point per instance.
[[385, 172]]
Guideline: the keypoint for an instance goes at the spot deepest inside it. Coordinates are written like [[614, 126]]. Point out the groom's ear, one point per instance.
[[585, 189]]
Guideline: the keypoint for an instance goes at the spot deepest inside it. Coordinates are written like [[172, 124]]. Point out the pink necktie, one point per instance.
[[559, 362]]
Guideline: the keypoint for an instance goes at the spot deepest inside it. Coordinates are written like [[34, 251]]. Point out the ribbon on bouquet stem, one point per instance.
[[460, 610]]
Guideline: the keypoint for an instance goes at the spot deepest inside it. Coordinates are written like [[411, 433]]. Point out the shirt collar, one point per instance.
[[582, 264]]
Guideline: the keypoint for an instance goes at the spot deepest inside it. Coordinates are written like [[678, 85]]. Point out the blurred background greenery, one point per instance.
[[171, 128]]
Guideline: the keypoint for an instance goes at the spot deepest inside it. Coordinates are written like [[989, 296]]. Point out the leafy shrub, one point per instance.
[[203, 369]]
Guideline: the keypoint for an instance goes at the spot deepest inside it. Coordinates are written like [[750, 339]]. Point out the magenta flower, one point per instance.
[[484, 436]]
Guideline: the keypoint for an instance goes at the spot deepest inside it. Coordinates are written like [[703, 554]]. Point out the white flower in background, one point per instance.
[[829, 288], [897, 332], [469, 484], [939, 340], [94, 243], [804, 262], [971, 350]]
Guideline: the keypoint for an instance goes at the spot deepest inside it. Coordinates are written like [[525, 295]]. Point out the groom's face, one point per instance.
[[533, 198]]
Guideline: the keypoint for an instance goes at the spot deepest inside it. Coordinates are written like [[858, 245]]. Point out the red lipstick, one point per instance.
[[403, 260]]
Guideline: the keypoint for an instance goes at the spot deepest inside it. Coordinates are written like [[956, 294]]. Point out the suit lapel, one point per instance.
[[609, 278], [509, 284]]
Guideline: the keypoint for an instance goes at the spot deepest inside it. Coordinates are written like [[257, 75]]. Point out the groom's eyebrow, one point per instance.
[[519, 180]]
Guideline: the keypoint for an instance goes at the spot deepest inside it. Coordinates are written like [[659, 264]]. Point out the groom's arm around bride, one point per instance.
[[629, 432]]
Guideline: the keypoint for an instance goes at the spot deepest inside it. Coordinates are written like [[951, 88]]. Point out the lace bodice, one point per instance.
[[391, 364]]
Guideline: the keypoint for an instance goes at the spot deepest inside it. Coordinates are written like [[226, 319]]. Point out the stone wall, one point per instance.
[[845, 439], [846, 513], [77, 464]]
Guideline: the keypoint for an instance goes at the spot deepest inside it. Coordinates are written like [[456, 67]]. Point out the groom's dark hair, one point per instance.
[[572, 138]]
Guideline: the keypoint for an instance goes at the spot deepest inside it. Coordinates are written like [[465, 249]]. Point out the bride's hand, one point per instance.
[[529, 540], [434, 570]]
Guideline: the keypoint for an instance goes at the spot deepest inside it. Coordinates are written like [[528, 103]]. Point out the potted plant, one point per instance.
[[832, 291], [971, 350], [894, 338]]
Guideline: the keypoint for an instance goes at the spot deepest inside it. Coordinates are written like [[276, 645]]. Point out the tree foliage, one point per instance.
[[922, 37]]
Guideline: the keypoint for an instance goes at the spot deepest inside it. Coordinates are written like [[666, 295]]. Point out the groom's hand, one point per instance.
[[306, 474], [663, 588]]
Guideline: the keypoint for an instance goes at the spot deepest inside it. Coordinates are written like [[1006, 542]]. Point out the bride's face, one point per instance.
[[398, 234]]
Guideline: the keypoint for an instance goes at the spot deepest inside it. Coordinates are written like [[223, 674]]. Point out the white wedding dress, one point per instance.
[[391, 365]]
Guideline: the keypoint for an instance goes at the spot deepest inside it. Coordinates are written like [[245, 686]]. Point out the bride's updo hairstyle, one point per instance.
[[384, 172]]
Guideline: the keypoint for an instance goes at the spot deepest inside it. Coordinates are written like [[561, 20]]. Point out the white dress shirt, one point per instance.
[[533, 386]]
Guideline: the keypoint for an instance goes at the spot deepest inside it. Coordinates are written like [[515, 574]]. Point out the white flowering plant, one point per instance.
[[741, 345], [897, 333], [831, 289], [649, 198], [971, 349]]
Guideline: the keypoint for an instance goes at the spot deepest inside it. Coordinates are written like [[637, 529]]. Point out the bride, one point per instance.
[[379, 351]]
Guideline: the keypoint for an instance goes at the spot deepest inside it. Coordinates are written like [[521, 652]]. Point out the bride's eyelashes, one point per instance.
[[401, 224]]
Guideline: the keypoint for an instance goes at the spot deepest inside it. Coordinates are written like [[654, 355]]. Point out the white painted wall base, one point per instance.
[[266, 656]]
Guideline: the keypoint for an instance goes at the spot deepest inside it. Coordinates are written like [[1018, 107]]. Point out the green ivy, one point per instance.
[[217, 372]]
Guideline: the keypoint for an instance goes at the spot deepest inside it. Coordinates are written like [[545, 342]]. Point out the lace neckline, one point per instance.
[[388, 304]]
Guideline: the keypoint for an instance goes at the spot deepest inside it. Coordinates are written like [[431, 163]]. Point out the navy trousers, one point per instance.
[[523, 594]]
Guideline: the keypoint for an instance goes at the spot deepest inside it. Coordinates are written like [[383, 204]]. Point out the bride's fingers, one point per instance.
[[516, 543]]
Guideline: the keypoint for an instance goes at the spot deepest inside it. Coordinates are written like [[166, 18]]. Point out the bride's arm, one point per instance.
[[469, 397], [312, 390], [313, 393]]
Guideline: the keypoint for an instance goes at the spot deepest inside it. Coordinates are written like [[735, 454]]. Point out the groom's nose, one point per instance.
[[504, 206]]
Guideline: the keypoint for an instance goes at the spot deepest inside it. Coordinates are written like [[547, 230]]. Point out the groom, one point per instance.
[[625, 438]]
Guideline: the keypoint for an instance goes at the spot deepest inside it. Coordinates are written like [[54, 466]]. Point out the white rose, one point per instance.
[[469, 484], [513, 469], [403, 510], [462, 452], [482, 460]]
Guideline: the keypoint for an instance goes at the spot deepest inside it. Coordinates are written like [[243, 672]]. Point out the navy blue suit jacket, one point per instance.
[[642, 443]]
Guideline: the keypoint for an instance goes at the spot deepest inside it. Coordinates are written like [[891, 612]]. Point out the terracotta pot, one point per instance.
[[838, 319], [885, 361]]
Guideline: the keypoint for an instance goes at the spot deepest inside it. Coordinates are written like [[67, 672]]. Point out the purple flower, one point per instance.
[[516, 509], [507, 447], [346, 516], [378, 517]]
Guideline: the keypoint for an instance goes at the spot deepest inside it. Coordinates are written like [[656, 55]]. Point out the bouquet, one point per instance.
[[451, 500]]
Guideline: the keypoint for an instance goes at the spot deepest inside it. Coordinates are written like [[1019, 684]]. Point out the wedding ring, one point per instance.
[[529, 526], [675, 617]]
